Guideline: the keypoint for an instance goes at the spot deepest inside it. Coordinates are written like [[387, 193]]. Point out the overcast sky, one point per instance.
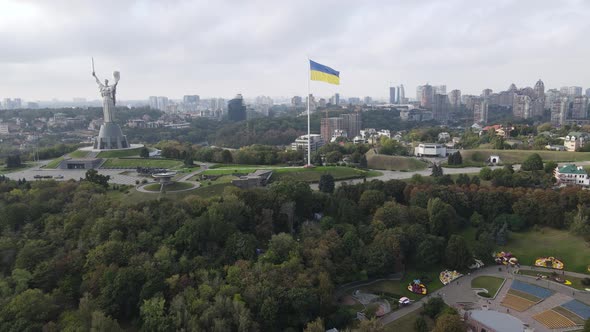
[[220, 48]]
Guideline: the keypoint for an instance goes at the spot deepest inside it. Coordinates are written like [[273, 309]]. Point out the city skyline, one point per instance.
[[226, 48]]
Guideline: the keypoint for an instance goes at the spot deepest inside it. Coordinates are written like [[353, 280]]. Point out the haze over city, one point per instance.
[[261, 48]]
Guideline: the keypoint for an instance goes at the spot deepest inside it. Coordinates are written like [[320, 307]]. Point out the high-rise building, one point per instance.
[[352, 123], [439, 89], [588, 93], [236, 109], [190, 103], [469, 101], [163, 103], [153, 102], [322, 102], [440, 108], [368, 100], [401, 95], [328, 125], [574, 91], [392, 95], [559, 111], [521, 106], [539, 99], [564, 90], [480, 111], [550, 96], [580, 107], [336, 99], [427, 96], [455, 99], [296, 101], [486, 93]]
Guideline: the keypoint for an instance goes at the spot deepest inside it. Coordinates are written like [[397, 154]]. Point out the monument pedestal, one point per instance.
[[110, 137]]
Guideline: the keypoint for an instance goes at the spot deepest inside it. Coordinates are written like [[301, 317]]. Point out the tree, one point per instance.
[[436, 170], [326, 184], [363, 161], [441, 217], [93, 176], [457, 254], [587, 326], [420, 324], [226, 157], [550, 167], [463, 180], [433, 307], [485, 173], [188, 160], [455, 158], [370, 200], [430, 251], [532, 163], [13, 161], [144, 152], [153, 315], [449, 323], [315, 326]]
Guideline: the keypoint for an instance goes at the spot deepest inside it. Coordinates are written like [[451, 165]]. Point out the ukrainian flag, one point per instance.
[[324, 73]]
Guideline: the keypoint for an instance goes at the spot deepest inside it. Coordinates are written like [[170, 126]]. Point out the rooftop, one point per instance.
[[571, 169], [498, 321]]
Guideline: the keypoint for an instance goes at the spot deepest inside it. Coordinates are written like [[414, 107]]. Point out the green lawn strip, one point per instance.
[[576, 282], [396, 289], [569, 315], [140, 162], [524, 295], [527, 246], [210, 191], [78, 154], [314, 174], [394, 163], [4, 169], [228, 171], [518, 156], [119, 153], [54, 163], [406, 323], [217, 166], [491, 284], [175, 186]]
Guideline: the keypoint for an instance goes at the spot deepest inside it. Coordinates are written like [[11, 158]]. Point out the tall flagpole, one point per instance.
[[308, 118]]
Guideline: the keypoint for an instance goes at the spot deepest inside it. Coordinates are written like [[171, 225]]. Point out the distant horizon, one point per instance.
[[227, 47]]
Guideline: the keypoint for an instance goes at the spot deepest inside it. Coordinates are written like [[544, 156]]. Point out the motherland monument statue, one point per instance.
[[110, 135]]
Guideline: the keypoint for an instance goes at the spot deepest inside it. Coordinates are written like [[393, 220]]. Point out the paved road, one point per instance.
[[459, 294]]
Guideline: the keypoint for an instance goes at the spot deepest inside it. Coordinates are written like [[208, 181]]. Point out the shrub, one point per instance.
[[586, 281], [484, 294]]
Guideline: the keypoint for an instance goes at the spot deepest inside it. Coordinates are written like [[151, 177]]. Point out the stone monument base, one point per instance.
[[110, 137]]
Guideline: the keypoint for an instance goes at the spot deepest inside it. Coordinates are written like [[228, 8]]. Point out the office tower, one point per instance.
[[440, 89], [521, 106], [163, 103], [539, 99], [402, 95], [336, 99], [392, 95], [440, 108], [352, 123], [190, 103], [368, 100], [486, 93], [236, 110], [574, 91], [588, 93], [427, 96], [550, 96], [419, 90], [564, 90], [580, 107], [322, 102], [296, 101], [480, 111], [455, 99], [153, 102], [328, 125], [559, 111]]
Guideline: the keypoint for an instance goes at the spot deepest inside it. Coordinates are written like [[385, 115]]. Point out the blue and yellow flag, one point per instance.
[[323, 73]]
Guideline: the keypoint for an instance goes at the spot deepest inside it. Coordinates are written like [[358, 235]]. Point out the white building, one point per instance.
[[444, 136], [430, 150], [301, 143], [572, 175], [575, 140]]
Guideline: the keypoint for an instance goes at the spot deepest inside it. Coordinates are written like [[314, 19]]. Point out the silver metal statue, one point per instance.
[[108, 93]]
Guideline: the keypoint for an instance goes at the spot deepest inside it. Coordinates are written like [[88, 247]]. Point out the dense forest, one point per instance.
[[74, 257]]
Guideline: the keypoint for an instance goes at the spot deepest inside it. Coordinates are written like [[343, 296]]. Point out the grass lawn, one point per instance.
[[518, 156], [4, 170], [530, 245], [210, 191], [394, 163], [399, 288], [299, 173], [140, 162], [492, 284], [54, 163], [175, 186], [78, 154], [576, 282], [245, 166], [119, 153], [406, 323]]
